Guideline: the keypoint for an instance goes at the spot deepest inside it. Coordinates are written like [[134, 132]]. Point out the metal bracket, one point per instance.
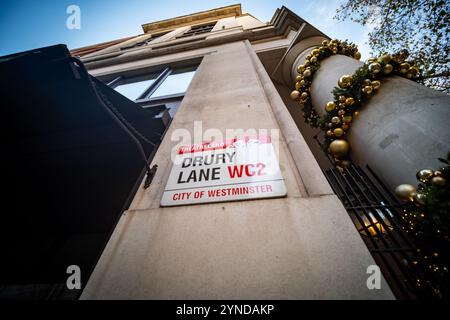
[[150, 174]]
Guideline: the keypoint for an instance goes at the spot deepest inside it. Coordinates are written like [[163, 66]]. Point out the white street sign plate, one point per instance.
[[240, 169]]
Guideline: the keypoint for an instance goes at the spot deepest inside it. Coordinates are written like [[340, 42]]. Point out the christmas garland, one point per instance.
[[310, 66], [350, 94], [427, 218]]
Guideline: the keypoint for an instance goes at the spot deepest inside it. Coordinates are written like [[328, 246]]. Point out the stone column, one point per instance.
[[403, 128]]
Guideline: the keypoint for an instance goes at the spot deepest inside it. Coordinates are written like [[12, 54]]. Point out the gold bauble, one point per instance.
[[374, 67], [388, 68], [341, 112], [313, 59], [385, 58], [414, 71], [438, 181], [308, 57], [349, 101], [303, 83], [339, 147], [329, 133], [330, 106], [338, 132], [404, 67], [419, 198], [367, 82], [357, 55], [342, 98], [306, 63], [438, 173], [315, 52], [295, 95], [345, 81], [301, 68], [307, 73], [424, 175], [356, 113], [367, 89], [376, 84], [335, 120], [304, 95], [297, 86], [405, 192], [324, 42], [298, 78], [347, 119], [341, 106]]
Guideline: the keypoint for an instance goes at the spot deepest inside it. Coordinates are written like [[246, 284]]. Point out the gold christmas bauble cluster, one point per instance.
[[310, 66], [352, 90]]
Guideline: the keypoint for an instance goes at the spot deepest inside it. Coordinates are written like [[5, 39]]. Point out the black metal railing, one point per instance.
[[376, 213]]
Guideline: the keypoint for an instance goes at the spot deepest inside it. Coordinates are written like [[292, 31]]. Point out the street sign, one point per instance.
[[239, 169]]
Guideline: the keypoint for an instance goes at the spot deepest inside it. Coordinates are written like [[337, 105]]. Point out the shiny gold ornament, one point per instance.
[[297, 86], [330, 106], [298, 78], [307, 63], [414, 71], [341, 106], [303, 83], [309, 56], [304, 95], [347, 119], [307, 73], [438, 173], [438, 181], [385, 58], [329, 133], [367, 89], [342, 98], [339, 147], [404, 67], [424, 175], [387, 69], [335, 120], [301, 68], [295, 95], [345, 81], [315, 52], [376, 84], [313, 60], [374, 67], [349, 101], [356, 114], [324, 42], [367, 82], [341, 112], [405, 192], [419, 198], [357, 55], [338, 132], [371, 60]]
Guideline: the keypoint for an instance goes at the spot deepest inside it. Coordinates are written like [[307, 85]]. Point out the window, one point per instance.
[[174, 84], [198, 30], [135, 89], [166, 87]]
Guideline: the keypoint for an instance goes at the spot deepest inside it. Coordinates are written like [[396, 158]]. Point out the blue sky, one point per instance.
[[26, 25]]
